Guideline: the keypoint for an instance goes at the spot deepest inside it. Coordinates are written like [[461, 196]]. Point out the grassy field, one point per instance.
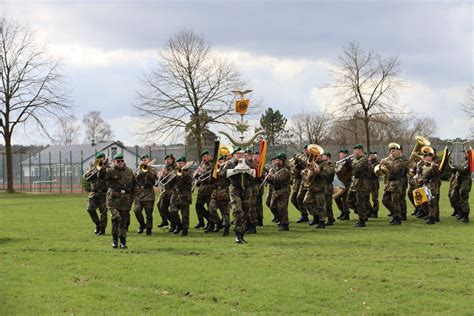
[[51, 263]]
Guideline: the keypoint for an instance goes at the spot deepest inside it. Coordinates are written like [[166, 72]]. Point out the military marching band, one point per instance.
[[234, 180]]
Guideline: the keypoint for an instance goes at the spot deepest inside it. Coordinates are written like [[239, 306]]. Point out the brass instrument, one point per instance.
[[457, 153], [98, 165], [225, 150], [344, 159], [144, 167], [416, 154], [312, 167], [380, 169], [177, 172]]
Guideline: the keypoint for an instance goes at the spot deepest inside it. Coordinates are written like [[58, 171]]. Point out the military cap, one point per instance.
[[358, 146], [100, 155], [372, 152], [344, 150], [182, 158], [118, 156], [256, 153], [401, 147], [205, 152], [248, 151], [280, 156], [236, 150], [222, 157], [169, 156], [393, 146], [327, 153], [144, 156], [305, 146]]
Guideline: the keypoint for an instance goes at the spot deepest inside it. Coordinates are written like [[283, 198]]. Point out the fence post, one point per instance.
[[3, 171], [29, 163], [82, 171], [50, 174], [21, 173], [60, 175], [70, 167], [39, 164]]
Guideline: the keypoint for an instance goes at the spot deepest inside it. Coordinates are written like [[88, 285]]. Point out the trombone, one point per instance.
[[144, 167], [98, 164], [344, 159], [173, 174]]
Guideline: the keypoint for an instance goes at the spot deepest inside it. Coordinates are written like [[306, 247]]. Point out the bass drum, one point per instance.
[[338, 188], [343, 173]]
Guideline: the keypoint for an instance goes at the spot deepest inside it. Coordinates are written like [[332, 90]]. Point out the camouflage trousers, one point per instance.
[[432, 207], [359, 201], [120, 221], [329, 211], [164, 204], [315, 204], [374, 194], [341, 202], [175, 219], [279, 205], [392, 201], [294, 194], [98, 202], [459, 197], [300, 200], [240, 203], [203, 198], [148, 206], [223, 207], [256, 205]]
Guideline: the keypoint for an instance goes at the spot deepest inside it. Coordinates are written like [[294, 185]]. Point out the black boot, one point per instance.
[[465, 218], [101, 231], [345, 217], [171, 228], [163, 223], [252, 229], [260, 221], [217, 227], [455, 212], [226, 231], [242, 237], [375, 214], [404, 217], [321, 225], [200, 224], [148, 231], [430, 220], [177, 229], [184, 232], [283, 227], [209, 228], [97, 230], [123, 243], [330, 222], [396, 221], [275, 219], [238, 238], [360, 223], [303, 219], [140, 230], [114, 241]]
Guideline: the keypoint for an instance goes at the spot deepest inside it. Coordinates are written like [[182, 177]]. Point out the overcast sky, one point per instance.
[[282, 48]]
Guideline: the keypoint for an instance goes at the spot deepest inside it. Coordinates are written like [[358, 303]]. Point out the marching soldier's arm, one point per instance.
[[282, 176], [362, 167]]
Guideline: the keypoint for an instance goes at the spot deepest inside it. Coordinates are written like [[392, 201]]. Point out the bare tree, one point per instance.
[[189, 82], [468, 108], [311, 127], [67, 131], [365, 86], [31, 86], [96, 129]]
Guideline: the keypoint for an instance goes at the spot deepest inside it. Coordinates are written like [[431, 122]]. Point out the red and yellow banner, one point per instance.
[[263, 154]]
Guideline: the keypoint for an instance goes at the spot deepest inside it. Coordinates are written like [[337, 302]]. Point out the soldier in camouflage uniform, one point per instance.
[[166, 192], [374, 185], [145, 199], [121, 188], [403, 200], [394, 168], [280, 179], [358, 197], [252, 219], [316, 176], [220, 199], [240, 191], [330, 188], [299, 162], [268, 199], [204, 192], [97, 191], [181, 197], [460, 189], [344, 173], [427, 174]]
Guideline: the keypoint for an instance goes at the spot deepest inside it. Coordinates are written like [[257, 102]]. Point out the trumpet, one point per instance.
[[98, 165]]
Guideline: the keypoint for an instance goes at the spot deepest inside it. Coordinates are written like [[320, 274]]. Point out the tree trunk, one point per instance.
[[367, 132], [198, 137], [8, 153]]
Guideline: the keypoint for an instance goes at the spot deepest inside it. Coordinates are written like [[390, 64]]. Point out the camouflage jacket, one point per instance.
[[331, 168], [166, 170], [297, 165], [319, 181], [280, 179], [428, 174], [360, 174], [121, 187], [145, 184], [220, 187], [395, 173], [462, 178], [98, 186], [182, 185], [372, 164]]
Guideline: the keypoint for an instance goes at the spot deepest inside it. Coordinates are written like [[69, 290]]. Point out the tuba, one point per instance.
[[312, 167], [416, 153]]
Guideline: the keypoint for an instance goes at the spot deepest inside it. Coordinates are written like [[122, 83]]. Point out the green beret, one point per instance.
[[144, 156], [100, 155], [372, 152], [118, 156], [305, 146], [327, 153], [248, 151], [222, 157], [205, 152], [256, 153], [358, 146], [236, 150], [182, 158], [169, 156], [344, 150], [281, 156]]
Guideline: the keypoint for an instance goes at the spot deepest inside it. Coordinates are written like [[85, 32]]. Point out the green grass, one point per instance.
[[51, 263]]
